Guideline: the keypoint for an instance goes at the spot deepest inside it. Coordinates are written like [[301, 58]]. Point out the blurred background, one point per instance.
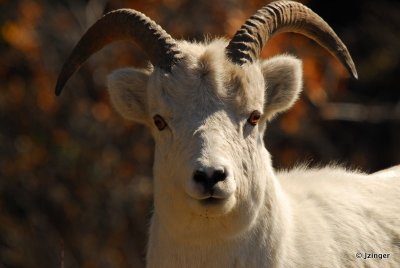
[[75, 178]]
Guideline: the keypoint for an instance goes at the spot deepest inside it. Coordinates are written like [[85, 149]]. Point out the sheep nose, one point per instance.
[[200, 176]]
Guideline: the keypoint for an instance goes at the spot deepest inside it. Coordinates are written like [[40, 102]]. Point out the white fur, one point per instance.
[[299, 218]]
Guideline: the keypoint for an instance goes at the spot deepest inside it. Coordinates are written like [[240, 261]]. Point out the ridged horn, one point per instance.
[[280, 17], [122, 24]]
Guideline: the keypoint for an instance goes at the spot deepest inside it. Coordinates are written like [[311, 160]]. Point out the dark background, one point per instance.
[[75, 178]]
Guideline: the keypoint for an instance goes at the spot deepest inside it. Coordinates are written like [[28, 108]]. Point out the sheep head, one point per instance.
[[207, 105]]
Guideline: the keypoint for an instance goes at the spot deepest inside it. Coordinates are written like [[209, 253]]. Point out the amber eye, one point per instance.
[[159, 122], [254, 118]]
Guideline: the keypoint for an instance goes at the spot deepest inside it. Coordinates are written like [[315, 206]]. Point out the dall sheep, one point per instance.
[[217, 200]]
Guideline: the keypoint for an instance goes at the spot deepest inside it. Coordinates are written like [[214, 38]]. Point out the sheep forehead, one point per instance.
[[206, 80]]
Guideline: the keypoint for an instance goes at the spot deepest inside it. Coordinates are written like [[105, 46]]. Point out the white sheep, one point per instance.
[[217, 200]]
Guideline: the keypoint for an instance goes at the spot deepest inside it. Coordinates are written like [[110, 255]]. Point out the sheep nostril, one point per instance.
[[218, 175], [200, 176]]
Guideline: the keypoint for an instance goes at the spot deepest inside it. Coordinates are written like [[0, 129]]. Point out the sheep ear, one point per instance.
[[283, 77], [127, 89]]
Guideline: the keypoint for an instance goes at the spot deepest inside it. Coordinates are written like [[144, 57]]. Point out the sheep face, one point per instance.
[[208, 117]]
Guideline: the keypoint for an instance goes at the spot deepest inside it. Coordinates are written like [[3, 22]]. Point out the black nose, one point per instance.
[[208, 182]]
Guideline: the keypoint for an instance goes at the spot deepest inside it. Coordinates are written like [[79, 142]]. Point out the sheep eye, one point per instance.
[[254, 118], [159, 122]]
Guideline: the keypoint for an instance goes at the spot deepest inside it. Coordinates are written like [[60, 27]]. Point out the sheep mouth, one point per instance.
[[212, 201]]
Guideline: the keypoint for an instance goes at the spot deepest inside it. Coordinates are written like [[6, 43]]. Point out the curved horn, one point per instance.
[[122, 24], [280, 17]]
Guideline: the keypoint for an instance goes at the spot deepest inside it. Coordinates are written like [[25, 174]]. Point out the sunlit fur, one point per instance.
[[299, 218]]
